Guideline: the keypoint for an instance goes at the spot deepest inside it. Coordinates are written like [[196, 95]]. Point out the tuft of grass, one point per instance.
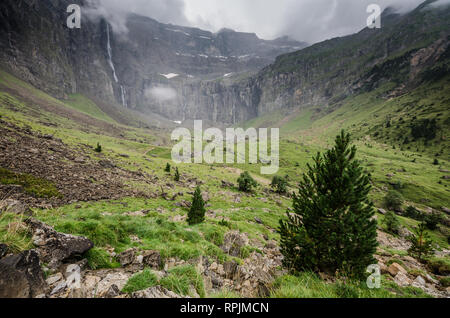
[[182, 278], [225, 294], [98, 258], [14, 233], [445, 281], [37, 187], [440, 266], [141, 281]]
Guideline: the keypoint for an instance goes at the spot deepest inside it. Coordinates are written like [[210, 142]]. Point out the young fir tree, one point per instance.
[[197, 212], [98, 148], [421, 243], [332, 229], [177, 175], [168, 167], [392, 223], [280, 184], [246, 182]]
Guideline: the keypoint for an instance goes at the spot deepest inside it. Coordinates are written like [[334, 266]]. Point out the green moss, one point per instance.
[[37, 187]]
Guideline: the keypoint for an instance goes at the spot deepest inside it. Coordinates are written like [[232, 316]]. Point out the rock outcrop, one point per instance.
[[15, 206], [54, 247], [155, 292], [21, 276]]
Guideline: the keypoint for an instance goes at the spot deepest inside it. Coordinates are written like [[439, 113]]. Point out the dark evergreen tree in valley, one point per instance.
[[280, 184], [197, 212], [168, 168], [98, 148], [177, 175], [246, 182], [332, 228]]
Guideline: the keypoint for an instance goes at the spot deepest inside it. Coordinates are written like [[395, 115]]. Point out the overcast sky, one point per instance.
[[305, 20]]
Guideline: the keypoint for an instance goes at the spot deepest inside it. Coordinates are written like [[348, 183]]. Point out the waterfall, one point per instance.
[[109, 50], [123, 90]]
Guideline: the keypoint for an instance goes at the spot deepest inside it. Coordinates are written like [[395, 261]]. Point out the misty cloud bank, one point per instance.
[[161, 93], [117, 11], [304, 20]]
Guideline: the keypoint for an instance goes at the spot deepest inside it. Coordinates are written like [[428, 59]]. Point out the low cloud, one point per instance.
[[117, 11], [161, 93], [441, 3], [304, 20]]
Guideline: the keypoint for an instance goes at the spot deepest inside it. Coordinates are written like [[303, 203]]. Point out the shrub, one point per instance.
[[246, 182], [98, 148], [392, 223], [425, 128], [168, 168], [439, 266], [393, 200], [197, 212], [432, 220], [413, 213], [279, 184], [436, 162], [421, 244], [332, 229]]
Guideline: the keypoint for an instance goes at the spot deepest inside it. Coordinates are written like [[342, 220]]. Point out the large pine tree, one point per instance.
[[197, 212], [332, 228]]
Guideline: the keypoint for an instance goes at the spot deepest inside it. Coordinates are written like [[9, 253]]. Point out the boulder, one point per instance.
[[127, 257], [152, 259], [395, 268], [404, 232], [402, 280], [15, 207], [382, 211], [54, 279], [119, 279], [89, 286], [55, 247], [21, 276], [419, 282], [73, 276], [445, 209], [3, 250], [59, 288], [155, 292], [230, 269], [259, 221], [234, 242]]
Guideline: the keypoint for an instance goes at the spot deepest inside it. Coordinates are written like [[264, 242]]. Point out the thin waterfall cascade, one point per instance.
[[123, 91], [109, 50]]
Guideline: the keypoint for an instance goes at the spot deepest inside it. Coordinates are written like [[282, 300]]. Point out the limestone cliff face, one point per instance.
[[154, 67], [36, 46], [404, 51]]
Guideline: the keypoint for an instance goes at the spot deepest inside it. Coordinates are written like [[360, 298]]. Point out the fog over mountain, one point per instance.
[[304, 20]]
